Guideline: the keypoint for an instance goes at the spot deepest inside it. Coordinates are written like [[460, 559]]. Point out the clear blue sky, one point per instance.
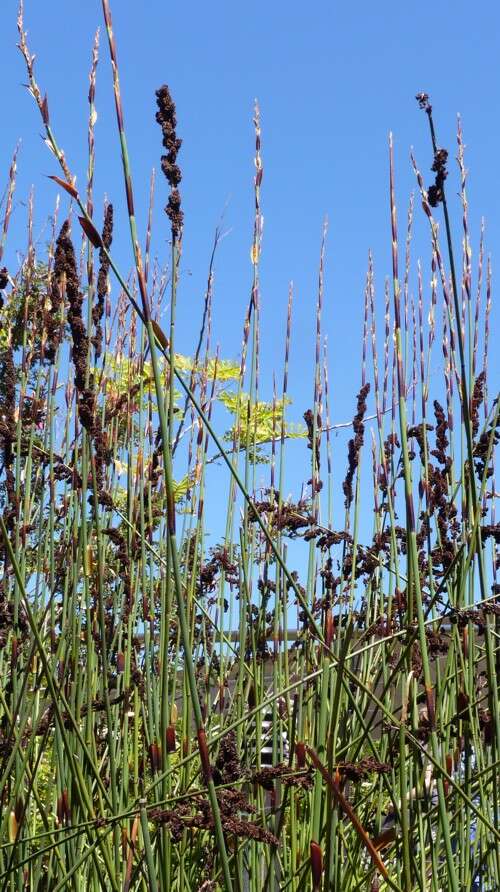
[[332, 79]]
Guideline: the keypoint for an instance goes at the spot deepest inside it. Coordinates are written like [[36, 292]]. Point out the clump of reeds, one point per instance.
[[312, 701]]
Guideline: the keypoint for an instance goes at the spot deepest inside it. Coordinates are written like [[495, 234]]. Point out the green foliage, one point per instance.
[[223, 370], [257, 423]]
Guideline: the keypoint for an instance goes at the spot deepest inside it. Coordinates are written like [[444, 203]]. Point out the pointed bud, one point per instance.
[[300, 754], [66, 806], [13, 827], [251, 697], [170, 739], [155, 756], [19, 810], [316, 864], [329, 628]]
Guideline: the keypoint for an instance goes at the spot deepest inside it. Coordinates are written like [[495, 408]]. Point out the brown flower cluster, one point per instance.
[[66, 273], [418, 433], [390, 445], [227, 767], [442, 441], [8, 432], [288, 776], [87, 410], [231, 802], [309, 420], [102, 279], [439, 501], [435, 193], [53, 321], [355, 444], [331, 537], [358, 771], [167, 120], [218, 563], [423, 102], [289, 518]]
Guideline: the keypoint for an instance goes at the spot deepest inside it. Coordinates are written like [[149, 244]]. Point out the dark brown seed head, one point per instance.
[[167, 120], [423, 101]]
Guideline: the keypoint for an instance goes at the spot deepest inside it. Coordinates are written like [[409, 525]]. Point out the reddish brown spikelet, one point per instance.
[[63, 810], [316, 864], [204, 755], [300, 754], [329, 627], [449, 769], [170, 741], [19, 810], [431, 706], [155, 756]]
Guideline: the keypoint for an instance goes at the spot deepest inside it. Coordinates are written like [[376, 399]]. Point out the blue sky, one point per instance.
[[332, 80]]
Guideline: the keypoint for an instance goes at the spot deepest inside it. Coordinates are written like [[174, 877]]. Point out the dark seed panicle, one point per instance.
[[167, 120]]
